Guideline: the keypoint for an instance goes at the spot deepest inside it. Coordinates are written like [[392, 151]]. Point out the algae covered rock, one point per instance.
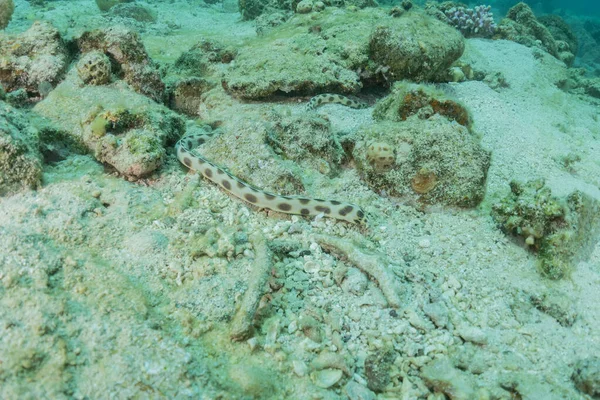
[[561, 231], [438, 161], [521, 26], [418, 47], [124, 48], [133, 11], [119, 127], [407, 99], [422, 146], [307, 140], [20, 159], [251, 9], [340, 51], [106, 5], [94, 68], [7, 7], [194, 74], [36, 57]]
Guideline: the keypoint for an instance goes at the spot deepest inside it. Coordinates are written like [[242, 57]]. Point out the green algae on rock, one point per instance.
[[32, 58], [439, 161], [119, 127], [408, 99], [339, 51], [560, 231], [7, 7], [20, 158], [125, 48]]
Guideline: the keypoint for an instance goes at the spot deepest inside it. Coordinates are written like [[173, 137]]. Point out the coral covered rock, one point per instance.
[[307, 140], [125, 49], [7, 7], [36, 57], [94, 68], [521, 26], [560, 231], [339, 51], [119, 127], [408, 99], [105, 5], [20, 159], [251, 9], [418, 48], [436, 160]]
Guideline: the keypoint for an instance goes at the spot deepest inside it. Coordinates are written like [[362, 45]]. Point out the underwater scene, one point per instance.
[[300, 199]]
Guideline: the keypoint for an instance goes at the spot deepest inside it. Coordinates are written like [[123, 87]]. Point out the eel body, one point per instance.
[[334, 98], [306, 206]]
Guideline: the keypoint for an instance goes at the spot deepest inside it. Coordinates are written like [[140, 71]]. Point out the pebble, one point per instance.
[[356, 391], [437, 312], [472, 334], [326, 378], [377, 370]]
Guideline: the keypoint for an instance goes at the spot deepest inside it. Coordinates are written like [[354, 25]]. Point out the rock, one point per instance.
[[304, 7], [106, 5], [126, 49], [560, 231], [133, 11], [442, 377], [251, 9], [521, 26], [377, 370], [417, 47], [356, 391], [94, 68], [119, 127], [326, 378], [586, 376], [31, 58], [438, 313], [557, 305], [428, 165], [20, 158], [7, 7], [337, 51], [561, 31]]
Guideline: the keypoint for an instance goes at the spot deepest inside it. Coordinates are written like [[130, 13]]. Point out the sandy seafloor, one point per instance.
[[100, 296]]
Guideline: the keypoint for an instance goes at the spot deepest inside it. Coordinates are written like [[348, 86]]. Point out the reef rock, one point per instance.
[[561, 231], [339, 51], [31, 59], [118, 126], [20, 159], [125, 49], [521, 26], [7, 7], [436, 160]]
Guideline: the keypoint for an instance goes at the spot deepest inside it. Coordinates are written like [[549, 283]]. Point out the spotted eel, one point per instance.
[[334, 98], [257, 197]]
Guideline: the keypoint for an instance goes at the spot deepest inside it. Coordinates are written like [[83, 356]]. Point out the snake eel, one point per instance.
[[334, 98], [187, 155]]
